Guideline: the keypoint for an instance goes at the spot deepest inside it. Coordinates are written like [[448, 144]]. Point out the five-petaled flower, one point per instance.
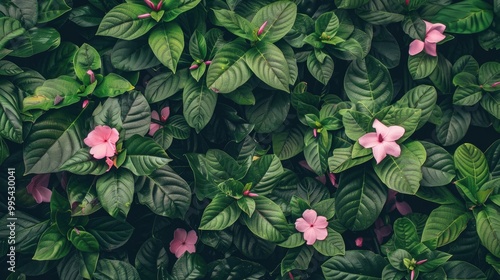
[[383, 141], [38, 188], [313, 226], [102, 141], [153, 127], [183, 242], [433, 35]]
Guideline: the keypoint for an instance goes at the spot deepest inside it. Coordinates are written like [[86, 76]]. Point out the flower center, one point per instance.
[[380, 138], [311, 225], [184, 243]]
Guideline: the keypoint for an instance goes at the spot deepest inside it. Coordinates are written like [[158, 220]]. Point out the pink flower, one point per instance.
[[313, 226], [102, 141], [38, 188], [433, 35], [402, 206], [153, 127], [383, 141], [381, 230], [261, 28], [85, 103], [110, 163], [91, 75], [183, 241], [359, 242]]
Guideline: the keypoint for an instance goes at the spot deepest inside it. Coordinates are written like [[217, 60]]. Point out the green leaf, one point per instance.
[[46, 96], [279, 16], [122, 22], [380, 13], [359, 199], [164, 85], [294, 240], [82, 195], [385, 48], [491, 103], [264, 173], [150, 257], [189, 266], [488, 228], [438, 168], [250, 245], [368, 79], [144, 155], [235, 23], [320, 71], [333, 244], [440, 77], [288, 143], [175, 8], [8, 68], [109, 232], [408, 118], [83, 241], [135, 114], [53, 139], [356, 124], [10, 29], [115, 191], [342, 159], [468, 95], [167, 43], [421, 97], [86, 58], [396, 258], [460, 270], [354, 265], [221, 166], [296, 258], [269, 112], [115, 269], [59, 61], [165, 193], [35, 41], [444, 225], [247, 205], [199, 104], [403, 173], [197, 46], [228, 69], [327, 25], [112, 85], [266, 62], [440, 195], [52, 245], [109, 113], [221, 213], [268, 221], [350, 4], [86, 16], [406, 237], [465, 17], [453, 126], [493, 157], [421, 65], [237, 268], [466, 63], [83, 163], [28, 231], [11, 126], [50, 10], [133, 55], [471, 162], [316, 152]]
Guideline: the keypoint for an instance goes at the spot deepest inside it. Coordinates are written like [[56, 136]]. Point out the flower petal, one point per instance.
[[430, 49], [434, 37], [416, 47], [153, 127], [99, 151], [369, 140], [192, 237], [155, 115], [394, 132], [321, 222], [165, 113], [180, 234], [310, 236], [180, 251], [392, 148], [301, 225], [379, 153], [113, 136], [174, 245], [403, 208], [321, 233], [45, 194], [310, 216], [190, 248], [429, 26]]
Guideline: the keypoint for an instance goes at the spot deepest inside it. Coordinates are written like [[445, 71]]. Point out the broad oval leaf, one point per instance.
[[53, 139], [144, 155], [86, 58], [279, 16], [264, 173], [354, 265], [199, 104], [52, 245], [112, 85], [122, 22], [268, 221], [83, 163], [167, 43], [150, 256], [83, 241], [333, 244], [11, 126], [368, 79], [269, 111], [50, 10], [266, 61], [421, 65], [471, 162], [321, 71], [438, 168], [221, 213], [288, 143], [133, 55], [110, 233], [228, 69], [115, 269], [444, 225], [488, 228], [421, 97], [454, 125], [235, 23], [10, 29], [296, 258], [165, 193], [465, 17], [164, 85], [135, 114], [460, 270], [359, 199], [115, 190], [54, 93]]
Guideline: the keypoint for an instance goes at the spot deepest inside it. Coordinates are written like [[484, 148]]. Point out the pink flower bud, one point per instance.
[[495, 84], [85, 103], [422, 261], [332, 178], [216, 90], [315, 133], [261, 29], [248, 193], [150, 4], [77, 231], [193, 67], [407, 2], [160, 4], [412, 275], [91, 75], [58, 99], [208, 62], [144, 16], [290, 275], [359, 242], [165, 113]]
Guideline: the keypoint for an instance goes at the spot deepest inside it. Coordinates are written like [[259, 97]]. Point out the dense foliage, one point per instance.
[[235, 139]]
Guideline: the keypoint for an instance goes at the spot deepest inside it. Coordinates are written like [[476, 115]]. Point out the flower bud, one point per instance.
[[144, 16], [261, 29], [91, 75], [193, 67]]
